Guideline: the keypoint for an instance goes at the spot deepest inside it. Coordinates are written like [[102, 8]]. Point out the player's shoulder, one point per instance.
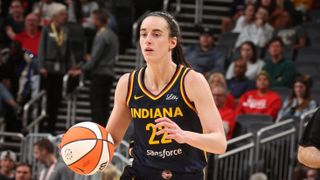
[[194, 78]]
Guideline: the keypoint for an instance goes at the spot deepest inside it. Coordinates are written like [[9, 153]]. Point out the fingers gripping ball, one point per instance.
[[87, 148]]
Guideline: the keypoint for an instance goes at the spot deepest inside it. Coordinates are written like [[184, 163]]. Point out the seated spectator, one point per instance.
[[249, 54], [259, 32], [14, 23], [239, 84], [217, 79], [219, 94], [282, 71], [8, 160], [18, 70], [246, 19], [23, 172], [44, 153], [45, 9], [293, 37], [30, 37], [261, 100], [300, 100], [203, 57]]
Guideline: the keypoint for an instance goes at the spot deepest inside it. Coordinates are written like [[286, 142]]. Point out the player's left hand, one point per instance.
[[168, 126]]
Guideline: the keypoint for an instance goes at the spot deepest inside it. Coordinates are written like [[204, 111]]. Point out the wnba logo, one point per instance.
[[103, 165]]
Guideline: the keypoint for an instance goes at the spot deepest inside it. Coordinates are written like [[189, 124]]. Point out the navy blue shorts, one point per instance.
[[147, 173]]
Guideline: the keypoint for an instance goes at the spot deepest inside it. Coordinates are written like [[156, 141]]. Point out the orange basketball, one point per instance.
[[87, 148]]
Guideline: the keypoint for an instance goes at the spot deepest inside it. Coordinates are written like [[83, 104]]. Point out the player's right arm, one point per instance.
[[120, 117]]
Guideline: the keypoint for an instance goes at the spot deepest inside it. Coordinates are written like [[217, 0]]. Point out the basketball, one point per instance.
[[87, 148]]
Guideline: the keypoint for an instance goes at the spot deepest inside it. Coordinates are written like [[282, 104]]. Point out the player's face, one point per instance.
[[155, 42], [23, 173]]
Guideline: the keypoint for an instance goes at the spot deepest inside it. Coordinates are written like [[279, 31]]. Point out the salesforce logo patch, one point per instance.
[[164, 153]]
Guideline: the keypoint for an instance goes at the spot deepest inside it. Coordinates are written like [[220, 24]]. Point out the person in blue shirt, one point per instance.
[[203, 57]]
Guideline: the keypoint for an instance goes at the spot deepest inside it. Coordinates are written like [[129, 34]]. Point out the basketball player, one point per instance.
[[309, 146], [175, 119]]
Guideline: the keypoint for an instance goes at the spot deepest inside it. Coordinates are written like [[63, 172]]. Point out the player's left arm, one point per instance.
[[213, 138], [309, 156]]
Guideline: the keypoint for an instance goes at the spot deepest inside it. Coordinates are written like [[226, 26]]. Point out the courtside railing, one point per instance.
[[274, 150], [271, 151], [34, 111], [237, 162], [71, 98]]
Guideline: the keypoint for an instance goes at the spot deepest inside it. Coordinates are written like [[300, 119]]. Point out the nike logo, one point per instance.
[[137, 97]]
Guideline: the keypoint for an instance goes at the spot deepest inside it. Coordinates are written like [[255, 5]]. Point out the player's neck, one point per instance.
[[157, 77]]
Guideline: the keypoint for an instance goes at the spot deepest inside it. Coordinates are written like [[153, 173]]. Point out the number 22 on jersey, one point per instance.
[[152, 139]]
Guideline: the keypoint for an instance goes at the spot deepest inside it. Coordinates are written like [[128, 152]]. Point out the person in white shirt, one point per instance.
[[246, 19], [254, 64], [259, 32]]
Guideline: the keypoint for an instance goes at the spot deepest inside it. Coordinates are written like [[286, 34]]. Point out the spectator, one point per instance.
[[217, 79], [54, 60], [110, 173], [53, 169], [239, 84], [260, 101], [249, 54], [14, 23], [100, 65], [282, 71], [19, 69], [203, 57], [300, 100], [246, 19], [45, 9], [30, 37], [8, 159], [23, 172], [258, 32], [219, 94], [293, 37]]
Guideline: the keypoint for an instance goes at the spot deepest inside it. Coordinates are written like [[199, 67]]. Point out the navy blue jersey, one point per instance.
[[158, 151]]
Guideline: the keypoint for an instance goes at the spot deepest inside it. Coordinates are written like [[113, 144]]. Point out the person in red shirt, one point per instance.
[[30, 37], [261, 100], [227, 114], [216, 79]]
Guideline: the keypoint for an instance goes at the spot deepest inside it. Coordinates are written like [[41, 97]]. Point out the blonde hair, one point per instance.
[[217, 75], [110, 173]]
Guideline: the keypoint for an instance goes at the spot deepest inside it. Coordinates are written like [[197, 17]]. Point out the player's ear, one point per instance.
[[173, 42]]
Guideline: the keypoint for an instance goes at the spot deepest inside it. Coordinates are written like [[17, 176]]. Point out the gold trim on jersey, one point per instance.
[[188, 102], [130, 87], [165, 90], [184, 95]]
